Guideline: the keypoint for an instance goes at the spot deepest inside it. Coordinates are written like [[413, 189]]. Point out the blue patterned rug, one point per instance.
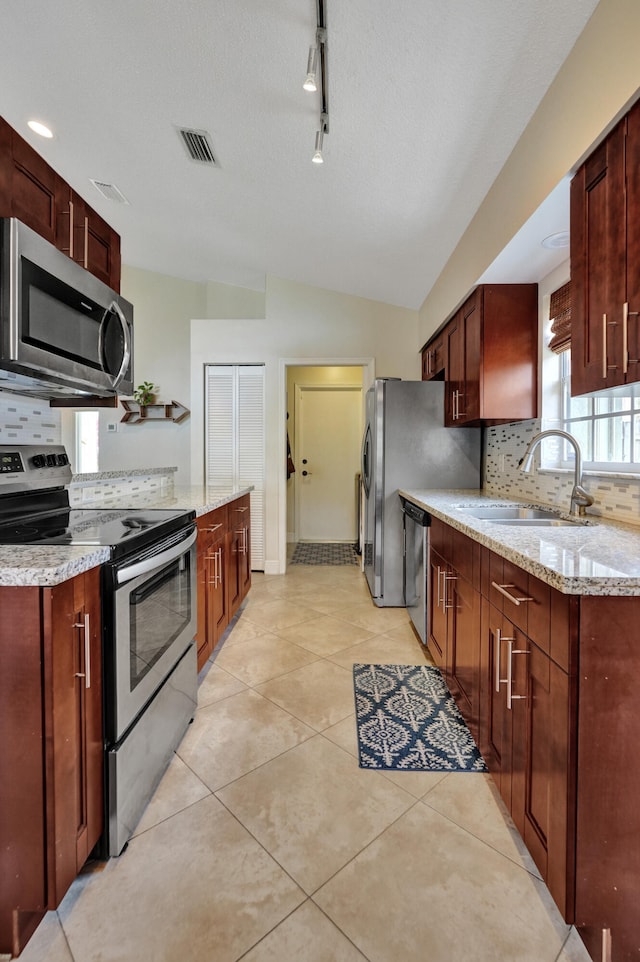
[[408, 721]]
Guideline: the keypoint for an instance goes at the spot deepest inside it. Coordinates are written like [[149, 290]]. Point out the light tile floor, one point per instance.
[[266, 842]]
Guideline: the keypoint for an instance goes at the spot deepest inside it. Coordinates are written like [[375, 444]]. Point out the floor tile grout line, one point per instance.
[[479, 838]]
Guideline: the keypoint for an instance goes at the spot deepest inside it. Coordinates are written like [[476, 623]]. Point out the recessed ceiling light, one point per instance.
[[39, 128], [554, 241]]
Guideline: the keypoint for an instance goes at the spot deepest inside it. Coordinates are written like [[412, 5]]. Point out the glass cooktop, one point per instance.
[[86, 526]]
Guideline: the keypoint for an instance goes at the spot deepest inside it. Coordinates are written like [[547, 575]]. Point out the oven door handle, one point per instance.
[[157, 561]]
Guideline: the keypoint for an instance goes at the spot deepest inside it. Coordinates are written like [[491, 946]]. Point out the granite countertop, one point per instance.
[[48, 565], [599, 558]]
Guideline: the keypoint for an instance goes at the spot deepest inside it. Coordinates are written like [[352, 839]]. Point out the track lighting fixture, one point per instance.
[[317, 77], [310, 82]]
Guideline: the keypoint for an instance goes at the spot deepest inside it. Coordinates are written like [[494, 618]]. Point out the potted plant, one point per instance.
[[145, 393]]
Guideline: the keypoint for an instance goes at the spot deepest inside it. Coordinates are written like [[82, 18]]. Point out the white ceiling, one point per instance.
[[426, 101]]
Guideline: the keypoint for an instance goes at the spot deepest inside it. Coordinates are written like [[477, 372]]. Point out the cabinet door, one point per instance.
[[463, 653], [541, 800], [73, 721], [23, 889], [212, 581], [632, 167], [203, 546], [454, 383], [468, 405], [433, 359], [598, 256], [239, 548], [32, 186], [96, 244], [438, 613], [218, 615], [495, 721]]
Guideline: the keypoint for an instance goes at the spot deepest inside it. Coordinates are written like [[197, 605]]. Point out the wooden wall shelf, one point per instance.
[[139, 413]]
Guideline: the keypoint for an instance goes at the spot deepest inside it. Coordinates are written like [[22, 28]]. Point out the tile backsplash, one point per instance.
[[28, 421], [615, 497]]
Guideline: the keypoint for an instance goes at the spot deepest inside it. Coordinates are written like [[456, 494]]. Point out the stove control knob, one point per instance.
[[50, 460], [61, 460], [38, 461]]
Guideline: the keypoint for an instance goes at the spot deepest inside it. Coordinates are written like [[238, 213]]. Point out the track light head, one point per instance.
[[317, 156], [310, 82]]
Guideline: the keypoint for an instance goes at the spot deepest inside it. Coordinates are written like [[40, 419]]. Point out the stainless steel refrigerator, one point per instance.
[[406, 445]]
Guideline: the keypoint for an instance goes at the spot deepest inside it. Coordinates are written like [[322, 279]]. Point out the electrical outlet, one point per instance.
[[112, 426]]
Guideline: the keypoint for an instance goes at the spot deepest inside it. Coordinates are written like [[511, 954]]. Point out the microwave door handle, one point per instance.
[[114, 308], [157, 561]]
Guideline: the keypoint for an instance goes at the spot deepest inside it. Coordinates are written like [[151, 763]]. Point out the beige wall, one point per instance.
[[301, 322], [595, 85]]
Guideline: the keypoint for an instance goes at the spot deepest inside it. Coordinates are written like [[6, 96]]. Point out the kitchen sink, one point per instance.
[[518, 514]]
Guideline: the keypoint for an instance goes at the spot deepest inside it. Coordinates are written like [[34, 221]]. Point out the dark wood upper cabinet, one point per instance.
[[605, 262], [34, 193], [491, 356]]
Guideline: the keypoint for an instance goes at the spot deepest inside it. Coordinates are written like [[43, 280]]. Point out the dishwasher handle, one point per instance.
[[417, 514]]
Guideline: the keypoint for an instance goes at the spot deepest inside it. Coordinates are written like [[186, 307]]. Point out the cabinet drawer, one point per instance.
[[465, 557], [440, 537]]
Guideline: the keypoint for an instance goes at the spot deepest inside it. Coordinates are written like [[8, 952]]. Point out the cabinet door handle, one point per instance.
[[446, 578], [625, 337], [606, 367], [512, 651], [459, 413], [85, 625], [627, 313], [85, 258], [498, 653], [517, 600]]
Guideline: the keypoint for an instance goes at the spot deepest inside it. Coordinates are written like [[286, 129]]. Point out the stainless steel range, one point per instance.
[[149, 618]]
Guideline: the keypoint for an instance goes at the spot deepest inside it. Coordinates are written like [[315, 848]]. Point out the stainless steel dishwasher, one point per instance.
[[415, 523]]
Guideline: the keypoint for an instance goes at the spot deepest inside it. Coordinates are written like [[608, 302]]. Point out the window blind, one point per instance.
[[560, 316]]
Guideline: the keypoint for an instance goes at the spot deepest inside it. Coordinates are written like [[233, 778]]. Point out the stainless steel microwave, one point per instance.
[[63, 333]]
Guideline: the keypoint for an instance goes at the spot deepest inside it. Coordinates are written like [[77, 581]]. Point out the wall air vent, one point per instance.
[[197, 145], [110, 191]]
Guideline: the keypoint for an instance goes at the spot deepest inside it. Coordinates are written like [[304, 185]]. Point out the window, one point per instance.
[[87, 442], [607, 427]]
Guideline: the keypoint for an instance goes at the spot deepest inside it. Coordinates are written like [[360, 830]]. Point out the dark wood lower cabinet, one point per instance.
[[525, 738], [51, 750], [552, 682], [223, 570]]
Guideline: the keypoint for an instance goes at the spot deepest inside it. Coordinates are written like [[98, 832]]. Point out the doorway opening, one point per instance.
[[323, 413]]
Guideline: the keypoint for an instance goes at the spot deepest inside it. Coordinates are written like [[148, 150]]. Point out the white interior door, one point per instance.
[[328, 436]]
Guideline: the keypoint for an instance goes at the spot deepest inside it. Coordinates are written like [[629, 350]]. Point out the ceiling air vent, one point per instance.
[[110, 191], [198, 145]]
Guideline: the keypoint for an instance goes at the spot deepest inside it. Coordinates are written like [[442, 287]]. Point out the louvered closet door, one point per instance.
[[235, 438]]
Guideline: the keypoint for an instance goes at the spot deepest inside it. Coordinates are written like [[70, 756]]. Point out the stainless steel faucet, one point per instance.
[[580, 499]]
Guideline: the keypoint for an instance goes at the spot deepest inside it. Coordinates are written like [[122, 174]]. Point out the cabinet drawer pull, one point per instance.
[[214, 527], [244, 507], [86, 627], [517, 600]]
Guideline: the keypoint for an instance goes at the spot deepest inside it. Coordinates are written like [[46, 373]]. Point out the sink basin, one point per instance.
[[517, 514]]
